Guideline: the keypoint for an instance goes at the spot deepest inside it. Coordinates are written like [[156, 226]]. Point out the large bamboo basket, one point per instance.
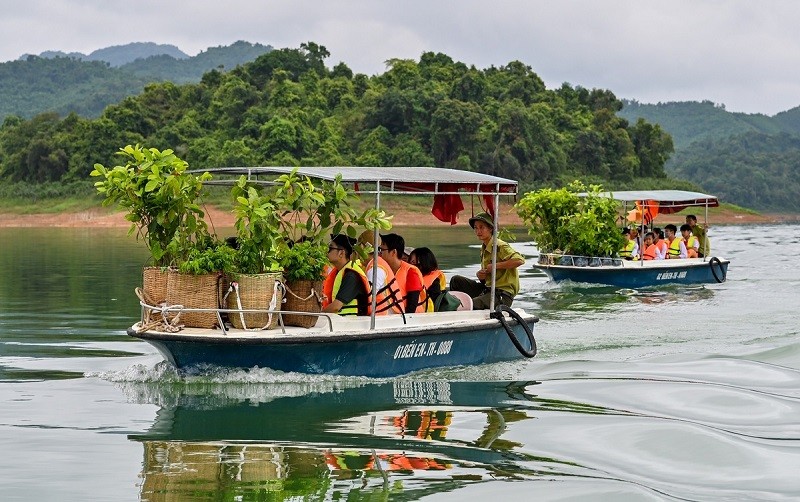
[[256, 291], [195, 291], [154, 284], [302, 296]]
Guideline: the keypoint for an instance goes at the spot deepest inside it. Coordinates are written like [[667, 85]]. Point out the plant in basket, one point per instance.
[[160, 198], [197, 281], [309, 215], [255, 282]]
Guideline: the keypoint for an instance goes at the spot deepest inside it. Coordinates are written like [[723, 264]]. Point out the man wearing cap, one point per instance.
[[346, 287], [408, 295], [508, 261]]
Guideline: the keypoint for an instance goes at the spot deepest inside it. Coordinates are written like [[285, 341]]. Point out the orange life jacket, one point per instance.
[[662, 246], [398, 286], [383, 300], [650, 252]]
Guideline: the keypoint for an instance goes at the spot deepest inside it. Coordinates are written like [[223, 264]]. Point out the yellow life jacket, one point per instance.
[[334, 281], [675, 247], [427, 282], [627, 250]]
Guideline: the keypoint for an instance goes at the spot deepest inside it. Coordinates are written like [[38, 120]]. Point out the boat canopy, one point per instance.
[[668, 201], [417, 180]]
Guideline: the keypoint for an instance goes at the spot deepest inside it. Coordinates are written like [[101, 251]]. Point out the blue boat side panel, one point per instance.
[[375, 357], [633, 277]]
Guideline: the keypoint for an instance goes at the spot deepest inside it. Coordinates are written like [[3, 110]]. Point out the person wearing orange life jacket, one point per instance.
[[346, 287], [383, 275], [406, 288], [676, 247], [660, 243], [650, 250], [630, 249], [692, 243], [433, 279]]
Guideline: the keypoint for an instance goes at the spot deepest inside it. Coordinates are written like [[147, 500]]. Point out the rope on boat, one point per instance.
[[165, 324], [273, 304], [711, 262], [312, 294], [498, 314]]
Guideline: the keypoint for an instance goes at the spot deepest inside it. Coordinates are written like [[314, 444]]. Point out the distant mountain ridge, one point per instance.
[[691, 121], [749, 159], [64, 83], [119, 55]]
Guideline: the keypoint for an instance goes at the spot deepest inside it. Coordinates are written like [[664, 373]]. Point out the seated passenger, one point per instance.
[[650, 249], [406, 288], [692, 243], [433, 280], [346, 287], [676, 247], [661, 244], [630, 250], [382, 274]]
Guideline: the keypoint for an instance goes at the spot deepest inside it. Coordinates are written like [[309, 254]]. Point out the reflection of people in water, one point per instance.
[[355, 461], [423, 424]]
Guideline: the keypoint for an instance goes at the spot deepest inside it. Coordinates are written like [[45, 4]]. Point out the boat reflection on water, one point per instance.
[[326, 441]]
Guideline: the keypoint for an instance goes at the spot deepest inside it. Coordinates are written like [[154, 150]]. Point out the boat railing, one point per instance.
[[568, 260], [169, 313]]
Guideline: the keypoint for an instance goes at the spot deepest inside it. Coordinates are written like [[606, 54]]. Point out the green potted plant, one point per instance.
[[256, 274], [160, 198], [196, 282], [561, 222], [309, 215]]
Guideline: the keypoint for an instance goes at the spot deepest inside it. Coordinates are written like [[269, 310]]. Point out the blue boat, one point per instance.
[[374, 346], [644, 273]]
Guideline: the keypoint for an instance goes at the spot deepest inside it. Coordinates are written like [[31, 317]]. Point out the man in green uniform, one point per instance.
[[701, 234], [508, 261]]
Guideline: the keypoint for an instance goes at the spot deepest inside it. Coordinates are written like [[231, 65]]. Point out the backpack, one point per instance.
[[446, 302]]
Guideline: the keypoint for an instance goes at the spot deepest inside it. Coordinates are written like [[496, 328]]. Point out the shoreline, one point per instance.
[[104, 218]]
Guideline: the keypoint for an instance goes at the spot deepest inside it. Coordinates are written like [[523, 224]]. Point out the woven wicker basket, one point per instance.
[[257, 291], [302, 296], [194, 291], [154, 285]]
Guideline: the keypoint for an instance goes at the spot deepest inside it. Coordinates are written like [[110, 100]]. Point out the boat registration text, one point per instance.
[[423, 349], [663, 276]]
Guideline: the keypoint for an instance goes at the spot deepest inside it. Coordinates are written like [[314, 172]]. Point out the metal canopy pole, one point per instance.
[[375, 244], [494, 248]]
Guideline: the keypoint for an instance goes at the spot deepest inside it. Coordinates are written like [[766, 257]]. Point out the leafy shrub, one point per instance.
[[564, 221]]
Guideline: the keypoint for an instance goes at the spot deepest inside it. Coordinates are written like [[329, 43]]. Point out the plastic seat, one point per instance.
[[465, 299]]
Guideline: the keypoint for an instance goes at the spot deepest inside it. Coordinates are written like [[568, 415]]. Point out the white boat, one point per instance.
[[374, 346]]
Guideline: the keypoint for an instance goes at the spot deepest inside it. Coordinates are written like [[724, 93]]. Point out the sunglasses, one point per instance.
[[381, 250], [333, 248]]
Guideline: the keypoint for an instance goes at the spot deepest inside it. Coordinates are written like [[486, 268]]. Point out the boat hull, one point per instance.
[[642, 274], [371, 353]]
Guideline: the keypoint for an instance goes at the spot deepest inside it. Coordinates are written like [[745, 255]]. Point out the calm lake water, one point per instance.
[[683, 393]]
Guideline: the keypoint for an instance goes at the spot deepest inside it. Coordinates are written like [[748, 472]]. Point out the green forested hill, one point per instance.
[[748, 159], [65, 84], [690, 121], [119, 55], [755, 170], [288, 108]]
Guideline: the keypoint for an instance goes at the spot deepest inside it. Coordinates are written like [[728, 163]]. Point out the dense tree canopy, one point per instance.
[[288, 108]]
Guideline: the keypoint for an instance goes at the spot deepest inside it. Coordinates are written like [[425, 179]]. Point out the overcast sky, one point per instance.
[[744, 54]]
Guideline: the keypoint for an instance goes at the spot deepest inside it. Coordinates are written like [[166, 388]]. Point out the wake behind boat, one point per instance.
[[615, 271], [372, 346]]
